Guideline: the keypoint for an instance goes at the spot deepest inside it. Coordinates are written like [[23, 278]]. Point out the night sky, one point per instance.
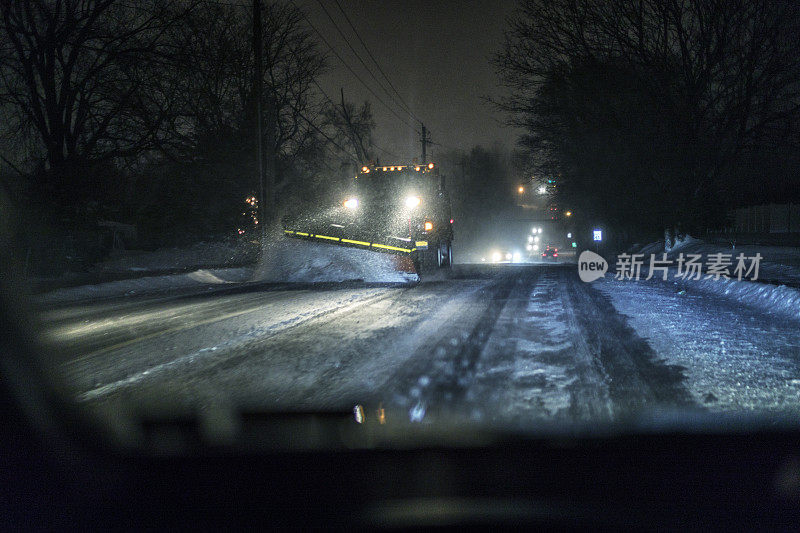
[[435, 53]]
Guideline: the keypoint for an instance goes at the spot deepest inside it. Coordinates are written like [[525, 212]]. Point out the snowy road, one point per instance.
[[497, 344]]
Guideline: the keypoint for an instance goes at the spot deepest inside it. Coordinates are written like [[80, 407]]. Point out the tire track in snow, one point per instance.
[[201, 355], [638, 381], [437, 380]]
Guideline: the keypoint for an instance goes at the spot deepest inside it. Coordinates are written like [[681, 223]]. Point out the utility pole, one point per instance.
[[263, 201], [426, 140]]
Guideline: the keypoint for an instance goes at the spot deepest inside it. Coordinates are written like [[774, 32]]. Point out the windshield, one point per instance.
[[527, 215]]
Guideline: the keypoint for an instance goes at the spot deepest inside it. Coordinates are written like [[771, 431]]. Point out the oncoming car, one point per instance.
[[502, 255]]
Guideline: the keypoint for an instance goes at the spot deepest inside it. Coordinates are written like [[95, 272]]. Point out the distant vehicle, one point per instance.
[[501, 256], [550, 251]]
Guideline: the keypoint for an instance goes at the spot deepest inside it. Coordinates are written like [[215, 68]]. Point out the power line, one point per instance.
[[328, 98], [310, 123], [445, 145], [404, 107], [387, 152], [363, 44], [324, 40], [384, 150], [358, 56], [401, 104], [337, 145]]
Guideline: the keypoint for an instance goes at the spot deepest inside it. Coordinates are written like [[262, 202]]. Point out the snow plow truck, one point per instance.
[[395, 209]]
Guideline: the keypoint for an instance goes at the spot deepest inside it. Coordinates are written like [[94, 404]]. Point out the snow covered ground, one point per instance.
[[286, 261], [739, 341], [199, 279], [778, 263], [197, 256], [736, 357], [493, 344], [775, 292], [522, 345]]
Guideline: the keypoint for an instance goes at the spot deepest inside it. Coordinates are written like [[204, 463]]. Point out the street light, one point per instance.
[[521, 189], [568, 213]]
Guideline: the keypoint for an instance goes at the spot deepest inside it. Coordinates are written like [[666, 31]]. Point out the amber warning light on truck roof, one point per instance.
[[395, 168]]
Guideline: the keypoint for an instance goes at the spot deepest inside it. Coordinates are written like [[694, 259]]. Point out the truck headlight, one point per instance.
[[351, 203], [412, 201]]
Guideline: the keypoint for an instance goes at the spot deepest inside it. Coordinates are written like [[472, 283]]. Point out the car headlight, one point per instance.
[[496, 257], [412, 201], [351, 203]]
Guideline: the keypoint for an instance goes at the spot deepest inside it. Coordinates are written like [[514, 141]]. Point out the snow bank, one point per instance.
[[777, 300], [652, 248], [128, 287], [289, 260], [198, 255], [778, 263], [733, 359], [681, 243]]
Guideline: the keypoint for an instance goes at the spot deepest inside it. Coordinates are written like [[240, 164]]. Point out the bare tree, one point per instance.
[[209, 149], [213, 85], [716, 75], [352, 127], [156, 98], [84, 74]]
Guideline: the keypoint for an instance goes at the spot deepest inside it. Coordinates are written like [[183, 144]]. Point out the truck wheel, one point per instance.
[[444, 254]]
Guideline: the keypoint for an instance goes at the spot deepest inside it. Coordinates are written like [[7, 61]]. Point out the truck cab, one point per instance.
[[403, 204], [399, 209]]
